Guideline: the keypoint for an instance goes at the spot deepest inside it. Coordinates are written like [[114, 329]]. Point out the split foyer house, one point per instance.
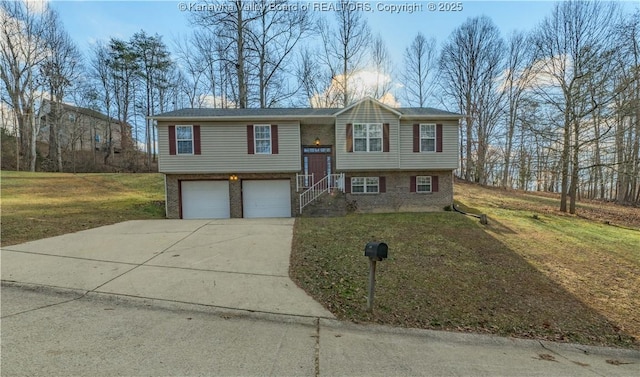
[[368, 157]]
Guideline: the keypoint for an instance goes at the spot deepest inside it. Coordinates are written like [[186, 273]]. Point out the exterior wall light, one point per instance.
[[317, 141], [233, 177]]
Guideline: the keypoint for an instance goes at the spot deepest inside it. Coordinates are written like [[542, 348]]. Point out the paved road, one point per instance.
[[50, 332]]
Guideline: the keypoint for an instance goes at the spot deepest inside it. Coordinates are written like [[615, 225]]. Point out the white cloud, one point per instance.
[[37, 6], [360, 84], [207, 100]]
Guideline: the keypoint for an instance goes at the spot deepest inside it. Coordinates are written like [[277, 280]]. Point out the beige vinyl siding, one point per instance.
[[366, 112], [224, 150], [447, 159]]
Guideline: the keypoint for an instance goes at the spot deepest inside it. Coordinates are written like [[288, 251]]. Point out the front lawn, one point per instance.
[[40, 205], [446, 271]]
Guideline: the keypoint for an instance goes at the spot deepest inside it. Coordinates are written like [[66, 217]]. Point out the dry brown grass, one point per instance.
[[586, 255], [40, 205], [550, 276]]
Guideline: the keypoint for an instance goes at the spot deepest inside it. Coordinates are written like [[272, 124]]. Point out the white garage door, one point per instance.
[[266, 198], [205, 199]]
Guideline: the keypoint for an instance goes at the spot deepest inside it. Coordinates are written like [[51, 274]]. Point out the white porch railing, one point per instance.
[[326, 184], [304, 181]]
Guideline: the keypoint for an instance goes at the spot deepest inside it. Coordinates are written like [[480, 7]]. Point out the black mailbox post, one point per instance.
[[376, 251]]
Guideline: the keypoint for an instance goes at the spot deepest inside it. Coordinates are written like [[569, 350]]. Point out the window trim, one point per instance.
[[368, 138], [434, 138], [269, 139], [178, 140], [418, 184], [365, 184]]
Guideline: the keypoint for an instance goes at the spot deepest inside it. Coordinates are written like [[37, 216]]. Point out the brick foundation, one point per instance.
[[398, 197]]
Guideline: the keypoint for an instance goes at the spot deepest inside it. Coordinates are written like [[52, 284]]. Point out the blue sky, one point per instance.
[[89, 21]]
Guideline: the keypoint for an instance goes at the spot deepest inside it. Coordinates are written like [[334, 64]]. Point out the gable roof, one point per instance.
[[368, 99], [298, 113]]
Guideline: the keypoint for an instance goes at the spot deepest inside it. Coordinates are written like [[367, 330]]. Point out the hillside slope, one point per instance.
[[39, 205], [594, 254]]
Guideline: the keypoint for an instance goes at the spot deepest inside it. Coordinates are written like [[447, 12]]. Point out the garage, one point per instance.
[[205, 199], [266, 198]]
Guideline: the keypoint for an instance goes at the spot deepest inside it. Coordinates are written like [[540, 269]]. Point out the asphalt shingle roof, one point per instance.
[[410, 112], [270, 112]]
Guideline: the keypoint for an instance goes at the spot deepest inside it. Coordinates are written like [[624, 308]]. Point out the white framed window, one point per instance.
[[184, 139], [423, 184], [427, 138], [365, 185], [367, 137], [262, 138]]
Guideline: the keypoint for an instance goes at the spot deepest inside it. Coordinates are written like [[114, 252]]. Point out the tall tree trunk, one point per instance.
[[242, 85], [573, 191], [566, 147]]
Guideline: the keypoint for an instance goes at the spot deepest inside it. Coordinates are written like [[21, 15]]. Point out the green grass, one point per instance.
[[39, 205], [552, 277]]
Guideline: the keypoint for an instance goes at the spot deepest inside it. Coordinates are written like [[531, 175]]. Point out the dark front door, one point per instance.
[[316, 161]]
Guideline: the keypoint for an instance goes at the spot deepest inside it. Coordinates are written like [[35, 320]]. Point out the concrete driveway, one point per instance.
[[237, 263]]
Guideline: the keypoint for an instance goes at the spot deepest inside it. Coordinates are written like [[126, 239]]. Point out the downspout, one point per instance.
[[398, 143], [482, 217], [166, 199]]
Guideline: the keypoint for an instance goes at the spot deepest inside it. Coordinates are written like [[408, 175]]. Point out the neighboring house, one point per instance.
[[369, 157], [80, 129]]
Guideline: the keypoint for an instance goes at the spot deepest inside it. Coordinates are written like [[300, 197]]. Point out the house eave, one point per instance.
[[434, 117], [240, 118]]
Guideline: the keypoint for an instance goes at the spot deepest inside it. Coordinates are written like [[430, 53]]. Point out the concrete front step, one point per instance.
[[327, 205]]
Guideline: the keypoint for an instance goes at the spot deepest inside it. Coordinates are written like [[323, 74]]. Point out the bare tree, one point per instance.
[[344, 46], [627, 125], [314, 81], [470, 64], [516, 81], [420, 70], [272, 37], [574, 50], [191, 77], [60, 69], [22, 50], [230, 24], [101, 72], [381, 62]]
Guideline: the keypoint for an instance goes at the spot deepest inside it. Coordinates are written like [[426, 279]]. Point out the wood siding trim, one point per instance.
[[250, 141], [197, 149], [172, 140], [274, 139], [385, 137]]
